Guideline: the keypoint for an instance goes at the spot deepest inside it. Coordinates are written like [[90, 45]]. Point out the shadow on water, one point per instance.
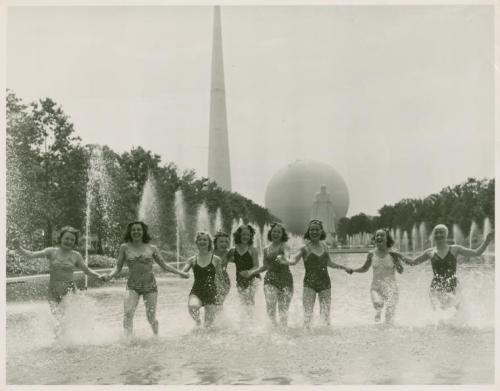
[[218, 375], [445, 375], [278, 380], [143, 375], [205, 375]]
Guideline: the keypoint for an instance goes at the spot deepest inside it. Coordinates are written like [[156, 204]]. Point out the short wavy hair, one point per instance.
[[284, 234], [440, 226], [145, 235], [220, 234], [237, 233], [204, 233], [389, 239], [71, 230], [317, 222]]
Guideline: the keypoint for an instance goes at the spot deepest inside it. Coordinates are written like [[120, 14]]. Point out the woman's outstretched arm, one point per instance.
[[469, 252], [366, 265]]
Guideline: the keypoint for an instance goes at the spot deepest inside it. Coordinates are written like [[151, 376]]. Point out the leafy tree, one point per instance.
[[473, 200], [46, 166]]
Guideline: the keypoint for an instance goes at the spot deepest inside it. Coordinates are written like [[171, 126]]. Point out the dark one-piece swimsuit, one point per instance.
[[140, 273], [204, 287], [61, 280], [444, 269], [278, 275], [243, 262], [316, 276]]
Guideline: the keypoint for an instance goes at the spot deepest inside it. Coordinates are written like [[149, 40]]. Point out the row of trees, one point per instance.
[[473, 200], [47, 181], [47, 177]]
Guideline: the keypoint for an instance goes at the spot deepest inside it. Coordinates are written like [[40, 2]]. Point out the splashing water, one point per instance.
[[398, 238], [486, 227], [79, 326], [240, 222], [458, 235], [486, 230], [149, 207], [218, 221], [431, 346], [234, 226], [180, 223], [203, 219], [98, 190], [258, 241], [474, 235], [404, 244], [424, 236], [265, 232], [295, 242], [414, 238]]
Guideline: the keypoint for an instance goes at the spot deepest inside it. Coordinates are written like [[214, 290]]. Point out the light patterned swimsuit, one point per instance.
[[61, 278], [384, 277], [141, 278]]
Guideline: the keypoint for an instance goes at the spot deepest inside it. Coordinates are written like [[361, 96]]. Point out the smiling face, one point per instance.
[[245, 236], [440, 233], [202, 241], [315, 231], [381, 239], [68, 241], [136, 232], [222, 243], [276, 233]]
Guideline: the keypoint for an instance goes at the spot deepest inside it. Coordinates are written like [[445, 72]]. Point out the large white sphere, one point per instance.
[[291, 191]]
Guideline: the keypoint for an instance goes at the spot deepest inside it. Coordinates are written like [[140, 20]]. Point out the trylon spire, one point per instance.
[[218, 145]]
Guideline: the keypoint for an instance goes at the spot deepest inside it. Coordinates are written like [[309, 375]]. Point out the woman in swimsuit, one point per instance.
[[278, 281], [205, 266], [221, 249], [62, 262], [140, 256], [384, 289], [316, 279], [245, 257], [443, 257]]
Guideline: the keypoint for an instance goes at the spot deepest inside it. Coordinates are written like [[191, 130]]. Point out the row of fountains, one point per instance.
[[99, 191], [419, 238], [205, 221]]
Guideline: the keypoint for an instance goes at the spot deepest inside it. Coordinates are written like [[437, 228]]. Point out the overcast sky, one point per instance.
[[399, 99]]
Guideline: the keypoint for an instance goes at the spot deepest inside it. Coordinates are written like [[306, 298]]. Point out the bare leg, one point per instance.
[[150, 300], [378, 304], [271, 295], [129, 306], [325, 302], [284, 299], [194, 305], [308, 300]]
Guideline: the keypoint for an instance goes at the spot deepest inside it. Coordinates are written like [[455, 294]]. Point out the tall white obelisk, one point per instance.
[[218, 145]]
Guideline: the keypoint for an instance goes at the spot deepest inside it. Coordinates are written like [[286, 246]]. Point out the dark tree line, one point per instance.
[[473, 200], [47, 182]]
